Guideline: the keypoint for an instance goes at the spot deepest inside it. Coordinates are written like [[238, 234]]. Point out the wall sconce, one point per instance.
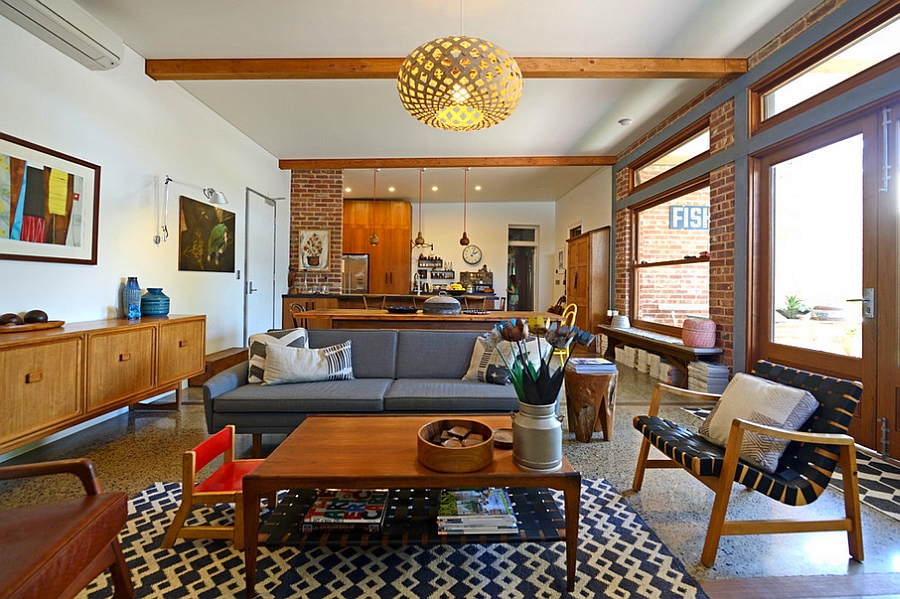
[[213, 196]]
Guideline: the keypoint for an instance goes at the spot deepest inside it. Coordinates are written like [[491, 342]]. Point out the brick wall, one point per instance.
[[688, 283], [721, 258], [317, 202]]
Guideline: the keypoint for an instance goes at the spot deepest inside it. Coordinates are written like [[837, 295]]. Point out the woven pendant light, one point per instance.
[[460, 83]]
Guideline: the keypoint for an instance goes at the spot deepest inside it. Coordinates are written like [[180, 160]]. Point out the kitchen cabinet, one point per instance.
[[52, 379], [587, 277], [389, 261]]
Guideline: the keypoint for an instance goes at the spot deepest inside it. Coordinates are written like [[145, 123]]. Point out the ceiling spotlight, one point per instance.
[[625, 122]]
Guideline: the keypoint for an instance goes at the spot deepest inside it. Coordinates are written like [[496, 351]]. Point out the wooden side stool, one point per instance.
[[590, 403], [225, 485]]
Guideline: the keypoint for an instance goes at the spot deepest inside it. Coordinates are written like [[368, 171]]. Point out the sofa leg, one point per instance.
[[257, 445]]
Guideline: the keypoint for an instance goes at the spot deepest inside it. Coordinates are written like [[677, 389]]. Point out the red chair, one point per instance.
[[225, 485]]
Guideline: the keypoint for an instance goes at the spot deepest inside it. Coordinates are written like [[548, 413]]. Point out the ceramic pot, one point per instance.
[[537, 438], [154, 302]]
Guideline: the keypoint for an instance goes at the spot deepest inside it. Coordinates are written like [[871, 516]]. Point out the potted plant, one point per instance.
[[794, 308]]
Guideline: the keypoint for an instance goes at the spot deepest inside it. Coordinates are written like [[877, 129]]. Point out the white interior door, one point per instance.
[[259, 268]]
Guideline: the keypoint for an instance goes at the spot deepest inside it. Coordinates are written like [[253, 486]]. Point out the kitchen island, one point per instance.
[[337, 318], [319, 301]]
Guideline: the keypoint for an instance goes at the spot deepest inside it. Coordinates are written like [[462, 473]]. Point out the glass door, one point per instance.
[[825, 260]]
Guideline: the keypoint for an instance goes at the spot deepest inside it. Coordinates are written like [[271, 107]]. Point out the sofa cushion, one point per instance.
[[425, 354], [764, 402], [447, 395], [258, 343], [302, 365], [358, 395], [374, 352]]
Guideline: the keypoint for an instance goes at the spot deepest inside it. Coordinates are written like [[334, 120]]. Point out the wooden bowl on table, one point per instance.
[[455, 459]]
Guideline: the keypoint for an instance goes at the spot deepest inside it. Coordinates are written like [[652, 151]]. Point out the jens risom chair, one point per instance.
[[802, 473]]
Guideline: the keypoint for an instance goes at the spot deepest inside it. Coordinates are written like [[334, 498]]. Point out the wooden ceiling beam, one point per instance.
[[207, 69], [493, 161]]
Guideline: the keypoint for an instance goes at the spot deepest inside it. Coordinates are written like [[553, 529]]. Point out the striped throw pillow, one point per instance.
[[258, 343], [300, 365]]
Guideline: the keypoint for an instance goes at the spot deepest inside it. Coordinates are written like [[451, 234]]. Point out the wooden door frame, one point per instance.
[[760, 264]]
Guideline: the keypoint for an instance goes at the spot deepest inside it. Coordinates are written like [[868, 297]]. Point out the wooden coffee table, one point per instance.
[[379, 451]]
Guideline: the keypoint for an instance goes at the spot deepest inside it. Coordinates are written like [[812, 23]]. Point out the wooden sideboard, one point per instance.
[[52, 379]]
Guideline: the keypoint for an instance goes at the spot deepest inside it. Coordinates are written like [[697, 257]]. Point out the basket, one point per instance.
[[698, 332]]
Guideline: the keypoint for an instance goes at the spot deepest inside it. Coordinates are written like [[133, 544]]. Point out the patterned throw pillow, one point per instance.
[[301, 365], [764, 402], [488, 366], [258, 343]]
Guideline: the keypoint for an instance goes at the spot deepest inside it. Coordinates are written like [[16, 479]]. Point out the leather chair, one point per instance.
[[54, 549]]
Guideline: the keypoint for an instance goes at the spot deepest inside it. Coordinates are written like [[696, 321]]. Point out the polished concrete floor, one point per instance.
[[136, 449]]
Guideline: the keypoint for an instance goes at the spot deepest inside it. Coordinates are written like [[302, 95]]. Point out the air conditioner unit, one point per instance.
[[68, 28]]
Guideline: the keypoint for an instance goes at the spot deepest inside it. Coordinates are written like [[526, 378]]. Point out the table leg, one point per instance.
[[572, 492], [251, 534]]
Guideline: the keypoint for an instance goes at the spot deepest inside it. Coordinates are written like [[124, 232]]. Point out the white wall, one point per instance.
[[487, 227], [138, 131], [589, 204]]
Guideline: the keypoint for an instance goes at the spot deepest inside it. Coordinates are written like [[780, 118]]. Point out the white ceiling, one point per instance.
[[297, 119]]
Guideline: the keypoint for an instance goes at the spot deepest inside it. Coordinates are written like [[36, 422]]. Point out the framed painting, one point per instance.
[[206, 237], [314, 250], [49, 204]]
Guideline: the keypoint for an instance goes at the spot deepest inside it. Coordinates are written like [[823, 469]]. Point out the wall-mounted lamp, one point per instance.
[[213, 196]]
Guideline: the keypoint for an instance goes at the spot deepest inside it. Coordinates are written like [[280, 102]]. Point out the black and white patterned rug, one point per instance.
[[879, 479], [618, 557]]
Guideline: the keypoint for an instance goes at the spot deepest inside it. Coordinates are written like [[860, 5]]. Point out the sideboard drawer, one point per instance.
[[40, 386], [182, 349], [120, 365]]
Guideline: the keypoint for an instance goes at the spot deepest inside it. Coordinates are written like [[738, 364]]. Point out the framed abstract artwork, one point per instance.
[[206, 237], [49, 204]]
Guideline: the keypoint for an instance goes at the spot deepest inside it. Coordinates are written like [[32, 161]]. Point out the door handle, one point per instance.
[[868, 300], [250, 287]]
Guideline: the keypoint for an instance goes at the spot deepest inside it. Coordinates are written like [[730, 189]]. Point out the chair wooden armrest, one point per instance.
[[800, 436], [686, 397], [84, 469]]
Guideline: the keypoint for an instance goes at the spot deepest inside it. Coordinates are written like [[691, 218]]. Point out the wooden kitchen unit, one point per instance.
[[54, 378], [382, 319], [389, 261]]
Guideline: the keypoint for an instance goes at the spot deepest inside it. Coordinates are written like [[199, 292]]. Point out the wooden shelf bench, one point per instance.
[[667, 346], [219, 361]]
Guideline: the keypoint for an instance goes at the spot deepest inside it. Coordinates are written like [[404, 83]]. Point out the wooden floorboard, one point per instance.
[[886, 584]]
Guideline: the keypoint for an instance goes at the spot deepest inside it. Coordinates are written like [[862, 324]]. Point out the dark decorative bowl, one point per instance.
[[401, 309]]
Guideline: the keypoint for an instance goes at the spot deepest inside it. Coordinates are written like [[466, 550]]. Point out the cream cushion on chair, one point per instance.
[[286, 364], [763, 402]]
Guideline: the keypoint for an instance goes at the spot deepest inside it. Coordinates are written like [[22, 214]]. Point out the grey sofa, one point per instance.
[[397, 372]]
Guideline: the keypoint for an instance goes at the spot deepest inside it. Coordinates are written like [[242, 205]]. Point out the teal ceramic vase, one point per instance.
[[131, 299], [154, 302]]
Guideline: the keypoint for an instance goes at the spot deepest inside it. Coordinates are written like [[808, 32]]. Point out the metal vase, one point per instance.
[[537, 438]]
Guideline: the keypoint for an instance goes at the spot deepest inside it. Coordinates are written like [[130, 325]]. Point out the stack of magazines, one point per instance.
[[346, 509], [476, 511], [592, 365]]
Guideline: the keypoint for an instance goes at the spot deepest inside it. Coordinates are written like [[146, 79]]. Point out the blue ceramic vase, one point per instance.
[[131, 299], [154, 302]]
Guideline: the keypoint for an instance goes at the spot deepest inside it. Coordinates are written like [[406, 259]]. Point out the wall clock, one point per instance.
[[472, 254]]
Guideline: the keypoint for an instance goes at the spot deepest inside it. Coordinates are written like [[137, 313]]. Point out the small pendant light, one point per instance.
[[374, 238], [465, 238], [419, 240]]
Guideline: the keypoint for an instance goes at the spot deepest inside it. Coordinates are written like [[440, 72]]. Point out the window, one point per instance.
[[683, 149], [862, 50], [671, 267]]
